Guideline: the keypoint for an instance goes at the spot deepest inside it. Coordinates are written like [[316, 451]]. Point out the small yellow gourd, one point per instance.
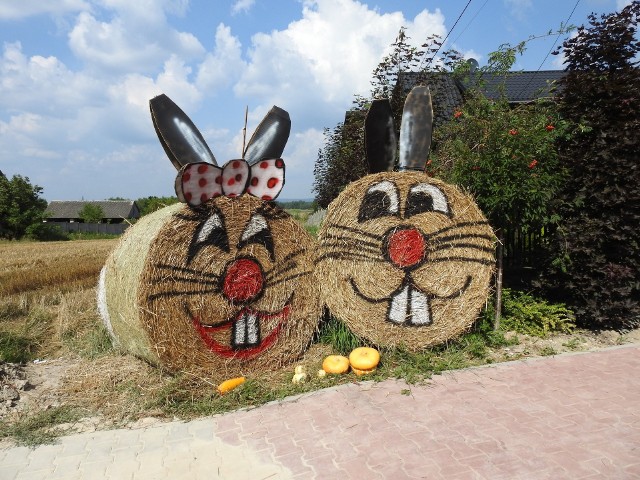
[[364, 360], [230, 384], [335, 364]]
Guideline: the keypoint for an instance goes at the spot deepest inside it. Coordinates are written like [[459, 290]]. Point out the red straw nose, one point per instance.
[[243, 280], [406, 247]]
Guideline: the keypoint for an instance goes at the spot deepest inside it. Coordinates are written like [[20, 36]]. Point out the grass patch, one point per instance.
[[20, 341], [40, 428], [337, 335]]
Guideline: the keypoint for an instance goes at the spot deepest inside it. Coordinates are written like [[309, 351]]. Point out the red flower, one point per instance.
[[513, 131], [457, 114], [475, 167], [550, 127], [533, 163]]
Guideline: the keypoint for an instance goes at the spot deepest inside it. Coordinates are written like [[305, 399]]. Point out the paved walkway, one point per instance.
[[566, 417]]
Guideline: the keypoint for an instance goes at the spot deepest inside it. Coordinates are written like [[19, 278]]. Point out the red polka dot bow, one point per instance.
[[198, 182]]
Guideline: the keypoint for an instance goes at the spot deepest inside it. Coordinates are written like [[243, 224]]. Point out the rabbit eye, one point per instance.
[[211, 232], [257, 231], [425, 197], [380, 200]]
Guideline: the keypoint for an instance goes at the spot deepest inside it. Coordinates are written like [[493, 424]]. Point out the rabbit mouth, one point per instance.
[[246, 336], [408, 305]]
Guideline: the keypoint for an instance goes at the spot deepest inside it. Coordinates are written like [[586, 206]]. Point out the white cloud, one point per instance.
[[88, 121], [242, 6], [518, 8], [136, 38], [224, 65], [13, 9], [320, 61]]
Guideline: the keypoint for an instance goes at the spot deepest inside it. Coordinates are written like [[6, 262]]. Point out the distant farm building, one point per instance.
[[117, 215]]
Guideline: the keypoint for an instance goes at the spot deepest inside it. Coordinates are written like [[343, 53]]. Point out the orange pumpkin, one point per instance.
[[230, 384], [335, 364], [364, 360]]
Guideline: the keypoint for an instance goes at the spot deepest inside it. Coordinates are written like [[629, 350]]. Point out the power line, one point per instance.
[[470, 22], [447, 36], [564, 25]]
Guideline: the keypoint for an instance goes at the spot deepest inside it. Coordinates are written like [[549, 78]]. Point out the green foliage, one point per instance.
[[44, 232], [297, 204], [15, 348], [526, 314], [39, 429], [596, 266], [506, 157], [149, 205], [90, 236], [91, 213], [20, 206], [19, 345], [342, 159], [335, 333]]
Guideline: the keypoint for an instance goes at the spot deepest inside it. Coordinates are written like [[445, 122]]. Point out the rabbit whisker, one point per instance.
[[460, 237], [458, 226], [482, 261], [356, 230], [190, 271], [352, 247], [199, 281], [349, 256], [275, 272], [177, 293], [347, 239], [472, 246], [291, 277]]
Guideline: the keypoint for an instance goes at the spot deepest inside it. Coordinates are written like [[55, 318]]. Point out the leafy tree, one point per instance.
[[506, 157], [91, 213], [597, 265], [151, 204], [20, 206], [342, 159]]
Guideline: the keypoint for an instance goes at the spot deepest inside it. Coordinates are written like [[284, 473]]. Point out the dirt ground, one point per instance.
[[48, 383]]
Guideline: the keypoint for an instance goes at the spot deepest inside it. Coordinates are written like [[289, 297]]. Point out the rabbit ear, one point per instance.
[[380, 137], [179, 137], [415, 130], [270, 138]]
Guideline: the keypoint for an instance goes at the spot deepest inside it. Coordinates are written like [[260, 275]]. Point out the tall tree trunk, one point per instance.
[[499, 255]]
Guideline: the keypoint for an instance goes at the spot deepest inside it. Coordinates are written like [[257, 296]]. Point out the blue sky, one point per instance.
[[76, 75]]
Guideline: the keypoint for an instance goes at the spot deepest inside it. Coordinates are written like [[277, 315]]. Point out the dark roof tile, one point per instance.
[[111, 208]]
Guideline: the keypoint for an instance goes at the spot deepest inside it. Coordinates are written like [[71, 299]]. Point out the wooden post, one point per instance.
[[498, 305]]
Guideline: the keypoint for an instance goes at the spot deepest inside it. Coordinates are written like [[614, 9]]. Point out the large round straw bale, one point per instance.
[[224, 289], [405, 259]]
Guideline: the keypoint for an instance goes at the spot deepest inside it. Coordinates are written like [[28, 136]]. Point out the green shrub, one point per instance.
[[45, 232], [524, 313], [596, 266]]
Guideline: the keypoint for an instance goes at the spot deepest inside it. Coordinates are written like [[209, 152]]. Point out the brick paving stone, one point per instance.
[[569, 416]]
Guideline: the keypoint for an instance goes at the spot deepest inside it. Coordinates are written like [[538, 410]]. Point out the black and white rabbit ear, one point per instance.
[[380, 137], [415, 130], [270, 138], [179, 137]]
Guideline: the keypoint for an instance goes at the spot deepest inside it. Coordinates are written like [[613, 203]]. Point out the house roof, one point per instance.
[[110, 208], [446, 94], [523, 86], [518, 87]]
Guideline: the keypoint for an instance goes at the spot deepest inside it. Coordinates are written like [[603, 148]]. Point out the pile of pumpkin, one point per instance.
[[362, 361]]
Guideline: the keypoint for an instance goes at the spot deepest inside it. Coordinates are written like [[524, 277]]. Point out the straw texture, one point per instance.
[[405, 259], [120, 280], [227, 289]]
